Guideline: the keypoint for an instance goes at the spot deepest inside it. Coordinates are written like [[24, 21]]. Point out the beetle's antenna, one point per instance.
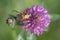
[[15, 11]]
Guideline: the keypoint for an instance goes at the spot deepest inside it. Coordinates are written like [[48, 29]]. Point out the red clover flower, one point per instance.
[[35, 20]]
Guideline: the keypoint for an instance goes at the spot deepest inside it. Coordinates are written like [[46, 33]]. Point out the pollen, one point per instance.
[[26, 16]]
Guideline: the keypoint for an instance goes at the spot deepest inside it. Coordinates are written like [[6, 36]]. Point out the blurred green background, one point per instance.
[[6, 7]]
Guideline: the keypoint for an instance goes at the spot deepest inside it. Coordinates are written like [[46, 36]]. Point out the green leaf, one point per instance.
[[54, 17], [30, 36]]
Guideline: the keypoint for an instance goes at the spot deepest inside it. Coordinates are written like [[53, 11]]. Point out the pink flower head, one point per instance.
[[35, 20]]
